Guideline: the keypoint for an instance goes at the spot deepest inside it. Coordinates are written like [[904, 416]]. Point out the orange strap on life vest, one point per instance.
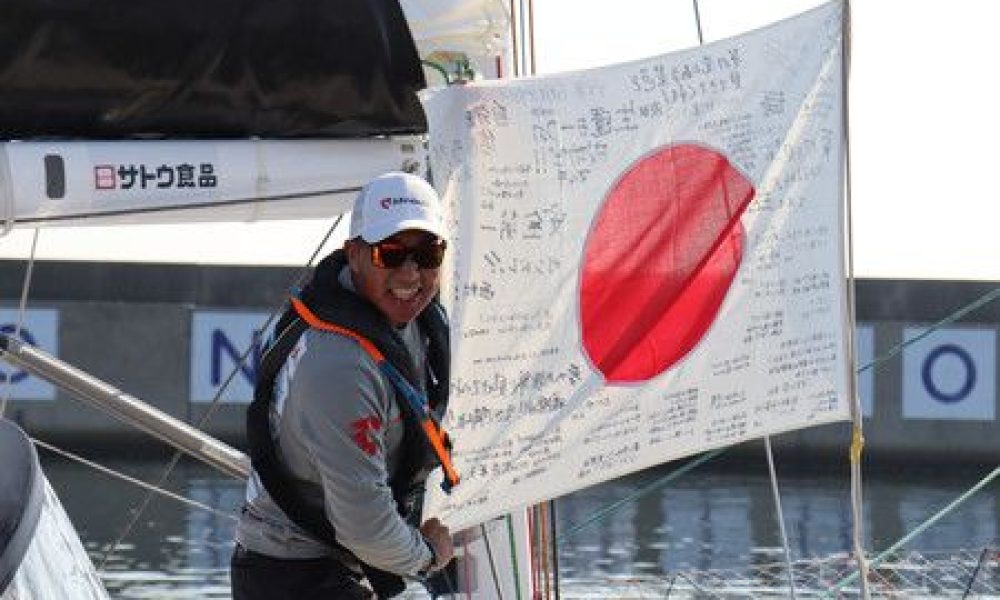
[[418, 402]]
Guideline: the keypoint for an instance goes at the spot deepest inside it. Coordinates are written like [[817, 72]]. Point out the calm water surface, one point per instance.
[[707, 519]]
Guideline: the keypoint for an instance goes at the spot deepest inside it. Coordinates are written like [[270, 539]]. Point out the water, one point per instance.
[[708, 519]]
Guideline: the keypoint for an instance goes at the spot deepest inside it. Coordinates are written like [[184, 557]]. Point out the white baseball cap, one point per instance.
[[393, 202]]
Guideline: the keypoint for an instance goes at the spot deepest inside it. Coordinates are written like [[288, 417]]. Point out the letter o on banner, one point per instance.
[[927, 375], [950, 375]]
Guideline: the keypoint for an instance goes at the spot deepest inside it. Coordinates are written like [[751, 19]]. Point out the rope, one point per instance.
[[875, 562], [22, 308], [128, 479], [533, 544], [541, 526], [137, 513], [781, 514], [555, 548], [513, 559]]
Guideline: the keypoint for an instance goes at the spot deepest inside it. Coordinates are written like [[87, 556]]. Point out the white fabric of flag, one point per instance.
[[647, 261]]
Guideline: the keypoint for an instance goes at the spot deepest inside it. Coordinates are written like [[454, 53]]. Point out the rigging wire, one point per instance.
[[21, 310], [947, 320], [599, 515], [137, 512], [513, 558], [888, 552], [493, 564], [781, 515], [515, 51], [531, 37], [129, 479], [975, 572]]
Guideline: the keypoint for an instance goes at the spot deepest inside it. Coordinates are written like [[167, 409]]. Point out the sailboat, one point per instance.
[[258, 177], [244, 114]]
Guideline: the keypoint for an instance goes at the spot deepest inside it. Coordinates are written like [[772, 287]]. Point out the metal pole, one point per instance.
[[857, 433], [697, 22], [126, 408]]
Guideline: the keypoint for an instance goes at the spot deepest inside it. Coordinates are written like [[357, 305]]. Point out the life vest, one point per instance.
[[324, 304]]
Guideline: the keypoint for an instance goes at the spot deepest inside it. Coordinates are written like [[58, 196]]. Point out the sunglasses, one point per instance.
[[389, 254]]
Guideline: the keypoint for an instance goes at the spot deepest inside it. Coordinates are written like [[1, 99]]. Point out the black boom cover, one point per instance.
[[207, 68]]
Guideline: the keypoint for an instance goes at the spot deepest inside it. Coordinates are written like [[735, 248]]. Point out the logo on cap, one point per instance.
[[389, 201]]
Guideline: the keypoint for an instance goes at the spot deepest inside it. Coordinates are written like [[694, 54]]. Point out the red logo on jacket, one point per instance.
[[364, 431]]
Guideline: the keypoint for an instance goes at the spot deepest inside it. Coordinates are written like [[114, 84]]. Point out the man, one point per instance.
[[339, 439]]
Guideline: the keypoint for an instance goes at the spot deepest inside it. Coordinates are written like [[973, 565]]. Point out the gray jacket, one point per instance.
[[337, 425]]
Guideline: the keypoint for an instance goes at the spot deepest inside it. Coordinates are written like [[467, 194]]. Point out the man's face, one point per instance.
[[400, 293]]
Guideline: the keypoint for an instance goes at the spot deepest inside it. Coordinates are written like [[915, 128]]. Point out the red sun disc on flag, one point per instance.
[[660, 257]]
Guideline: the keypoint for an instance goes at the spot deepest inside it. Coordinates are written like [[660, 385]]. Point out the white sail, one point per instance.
[[55, 565]]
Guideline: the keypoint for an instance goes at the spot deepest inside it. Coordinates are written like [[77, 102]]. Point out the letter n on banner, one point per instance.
[[218, 340]]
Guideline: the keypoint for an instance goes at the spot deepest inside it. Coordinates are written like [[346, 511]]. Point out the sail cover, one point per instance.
[[20, 499], [227, 68], [649, 261]]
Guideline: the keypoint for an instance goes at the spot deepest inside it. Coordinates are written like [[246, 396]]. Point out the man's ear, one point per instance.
[[353, 250]]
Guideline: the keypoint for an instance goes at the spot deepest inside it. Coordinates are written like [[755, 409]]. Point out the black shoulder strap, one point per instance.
[[434, 324], [263, 451]]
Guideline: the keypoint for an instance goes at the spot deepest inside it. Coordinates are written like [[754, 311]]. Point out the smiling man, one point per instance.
[[343, 428]]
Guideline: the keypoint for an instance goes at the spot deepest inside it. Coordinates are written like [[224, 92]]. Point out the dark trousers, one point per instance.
[[260, 577]]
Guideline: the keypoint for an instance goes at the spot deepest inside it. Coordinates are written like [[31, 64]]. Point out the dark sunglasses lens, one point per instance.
[[429, 256], [392, 256]]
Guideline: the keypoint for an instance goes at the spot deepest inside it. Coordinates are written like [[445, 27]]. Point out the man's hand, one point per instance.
[[438, 536]]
